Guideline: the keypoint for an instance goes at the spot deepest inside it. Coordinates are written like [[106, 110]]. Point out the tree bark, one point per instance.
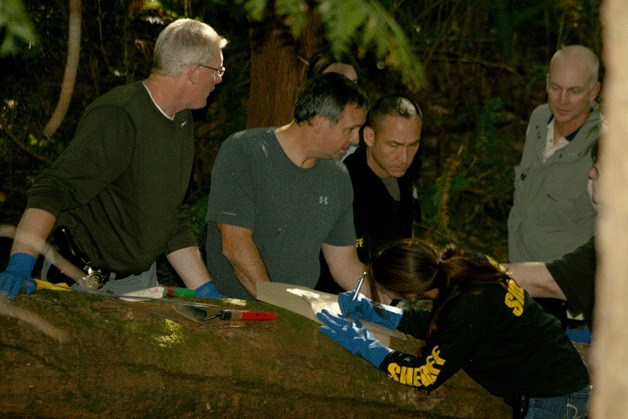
[[610, 350], [105, 357], [278, 69]]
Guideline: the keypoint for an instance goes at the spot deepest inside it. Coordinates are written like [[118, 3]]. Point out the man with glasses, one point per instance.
[[219, 70], [119, 186], [280, 195]]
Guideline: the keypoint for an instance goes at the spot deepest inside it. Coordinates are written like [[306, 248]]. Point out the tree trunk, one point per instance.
[[610, 386], [278, 69], [138, 359]]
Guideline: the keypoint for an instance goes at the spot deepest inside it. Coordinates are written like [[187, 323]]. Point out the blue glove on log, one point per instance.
[[207, 290], [17, 276], [362, 309], [353, 337]]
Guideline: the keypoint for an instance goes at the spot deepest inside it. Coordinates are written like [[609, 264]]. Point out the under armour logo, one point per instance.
[[322, 200]]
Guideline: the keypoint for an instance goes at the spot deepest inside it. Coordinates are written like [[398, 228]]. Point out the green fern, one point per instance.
[[364, 23], [17, 26]]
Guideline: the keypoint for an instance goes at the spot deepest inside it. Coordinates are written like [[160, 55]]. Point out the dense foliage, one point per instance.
[[485, 63]]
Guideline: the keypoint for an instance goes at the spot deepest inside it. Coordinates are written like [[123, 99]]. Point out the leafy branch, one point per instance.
[[18, 26], [362, 22]]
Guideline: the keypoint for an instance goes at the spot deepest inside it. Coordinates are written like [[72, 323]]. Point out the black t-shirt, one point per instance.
[[575, 275], [378, 217]]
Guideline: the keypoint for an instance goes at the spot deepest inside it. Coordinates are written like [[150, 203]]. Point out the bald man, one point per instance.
[[552, 213]]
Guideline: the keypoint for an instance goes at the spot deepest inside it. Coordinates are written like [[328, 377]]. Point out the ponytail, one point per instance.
[[412, 267]]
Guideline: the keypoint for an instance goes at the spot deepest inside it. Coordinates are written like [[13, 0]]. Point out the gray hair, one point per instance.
[[327, 95], [182, 43], [585, 55]]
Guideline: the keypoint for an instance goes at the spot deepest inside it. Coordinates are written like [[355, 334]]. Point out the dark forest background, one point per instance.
[[484, 64]]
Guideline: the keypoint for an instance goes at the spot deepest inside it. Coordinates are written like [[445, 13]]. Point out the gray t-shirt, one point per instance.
[[292, 211]]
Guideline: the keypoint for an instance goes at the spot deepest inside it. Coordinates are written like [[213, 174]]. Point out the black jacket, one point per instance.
[[378, 218]]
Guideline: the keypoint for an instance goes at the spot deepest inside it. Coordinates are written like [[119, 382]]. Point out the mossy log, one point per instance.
[[106, 357]]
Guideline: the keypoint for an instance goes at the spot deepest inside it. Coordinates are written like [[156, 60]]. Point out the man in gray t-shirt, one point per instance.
[[279, 195]]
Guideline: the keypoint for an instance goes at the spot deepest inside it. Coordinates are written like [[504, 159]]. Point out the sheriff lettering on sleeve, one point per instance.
[[422, 376]]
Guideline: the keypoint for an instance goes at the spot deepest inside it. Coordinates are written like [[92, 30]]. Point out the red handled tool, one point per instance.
[[246, 315], [200, 315]]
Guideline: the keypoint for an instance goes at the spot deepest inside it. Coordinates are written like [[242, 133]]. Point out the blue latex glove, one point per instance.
[[353, 337], [207, 290], [362, 309], [17, 276]]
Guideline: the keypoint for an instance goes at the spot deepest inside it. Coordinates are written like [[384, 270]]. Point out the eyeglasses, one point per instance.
[[221, 70]]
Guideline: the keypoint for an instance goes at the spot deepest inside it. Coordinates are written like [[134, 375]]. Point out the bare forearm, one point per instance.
[[33, 231], [189, 266], [344, 266], [243, 255], [248, 266], [536, 279]]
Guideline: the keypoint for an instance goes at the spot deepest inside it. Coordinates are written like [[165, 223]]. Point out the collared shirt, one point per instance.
[[550, 146]]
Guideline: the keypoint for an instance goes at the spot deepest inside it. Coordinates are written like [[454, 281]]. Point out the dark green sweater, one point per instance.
[[120, 184]]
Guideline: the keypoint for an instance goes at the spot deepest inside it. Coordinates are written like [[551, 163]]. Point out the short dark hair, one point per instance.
[[393, 104], [327, 95]]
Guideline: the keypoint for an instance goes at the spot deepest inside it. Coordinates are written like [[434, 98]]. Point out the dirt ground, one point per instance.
[[86, 356]]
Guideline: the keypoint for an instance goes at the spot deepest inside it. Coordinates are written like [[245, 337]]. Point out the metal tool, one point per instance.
[[359, 286], [201, 316], [94, 278]]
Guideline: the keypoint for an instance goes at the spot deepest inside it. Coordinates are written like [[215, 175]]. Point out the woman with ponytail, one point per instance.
[[481, 321]]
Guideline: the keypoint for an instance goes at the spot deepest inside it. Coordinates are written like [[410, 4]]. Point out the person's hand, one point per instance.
[[362, 309], [356, 339], [207, 290], [17, 276]]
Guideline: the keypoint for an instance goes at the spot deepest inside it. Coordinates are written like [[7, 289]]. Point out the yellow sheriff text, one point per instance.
[[422, 376], [514, 298]]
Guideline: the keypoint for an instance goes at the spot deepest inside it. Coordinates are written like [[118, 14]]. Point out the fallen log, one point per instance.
[[129, 359]]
